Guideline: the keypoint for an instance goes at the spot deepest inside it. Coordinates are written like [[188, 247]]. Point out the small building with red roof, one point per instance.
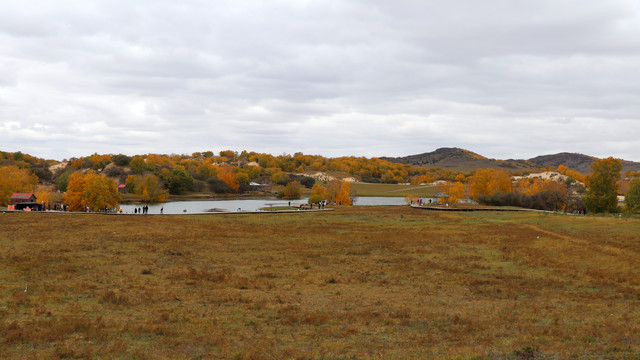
[[25, 201], [19, 198]]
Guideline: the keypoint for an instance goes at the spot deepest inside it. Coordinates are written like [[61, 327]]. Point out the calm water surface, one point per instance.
[[195, 207]]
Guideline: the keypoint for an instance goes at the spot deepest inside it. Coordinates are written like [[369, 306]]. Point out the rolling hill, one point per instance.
[[457, 159], [465, 160]]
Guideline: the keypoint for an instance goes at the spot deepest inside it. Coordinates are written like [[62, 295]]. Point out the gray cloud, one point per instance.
[[335, 78]]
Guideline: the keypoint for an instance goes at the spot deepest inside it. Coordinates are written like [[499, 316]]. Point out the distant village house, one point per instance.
[[19, 198], [23, 201]]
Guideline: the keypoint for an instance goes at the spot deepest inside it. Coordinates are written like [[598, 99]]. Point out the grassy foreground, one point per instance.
[[365, 283]]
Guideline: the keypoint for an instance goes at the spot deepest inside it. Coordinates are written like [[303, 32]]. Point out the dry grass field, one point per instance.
[[355, 283]]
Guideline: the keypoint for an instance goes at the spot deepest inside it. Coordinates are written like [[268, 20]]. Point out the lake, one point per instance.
[[196, 207]]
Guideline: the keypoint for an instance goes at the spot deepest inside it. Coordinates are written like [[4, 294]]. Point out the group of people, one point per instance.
[[143, 210], [420, 202], [320, 205]]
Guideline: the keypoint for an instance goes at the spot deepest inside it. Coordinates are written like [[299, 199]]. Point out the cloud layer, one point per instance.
[[374, 78]]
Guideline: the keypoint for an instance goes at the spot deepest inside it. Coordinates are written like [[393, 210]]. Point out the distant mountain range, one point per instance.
[[465, 160]]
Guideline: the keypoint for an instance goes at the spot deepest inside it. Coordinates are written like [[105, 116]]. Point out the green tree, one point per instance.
[[314, 199], [148, 188], [121, 160], [307, 181], [177, 181], [602, 193], [280, 178], [632, 199], [137, 164], [62, 180], [151, 190]]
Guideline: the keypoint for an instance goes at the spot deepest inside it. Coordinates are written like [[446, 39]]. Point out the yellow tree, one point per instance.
[[564, 170], [73, 198], [339, 191], [343, 197], [100, 192], [487, 182], [454, 189], [132, 182], [14, 179], [44, 196], [422, 179], [150, 189], [91, 190], [534, 186], [333, 188], [292, 190], [320, 191]]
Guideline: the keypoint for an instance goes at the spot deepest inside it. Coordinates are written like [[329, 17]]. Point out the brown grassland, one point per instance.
[[355, 283]]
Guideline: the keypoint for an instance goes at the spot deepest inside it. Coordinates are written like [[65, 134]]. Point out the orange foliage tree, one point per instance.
[[321, 191], [75, 191], [564, 170], [100, 192], [340, 192], [228, 175], [534, 186], [91, 190], [14, 179], [422, 179], [487, 182], [292, 190], [49, 197], [454, 189]]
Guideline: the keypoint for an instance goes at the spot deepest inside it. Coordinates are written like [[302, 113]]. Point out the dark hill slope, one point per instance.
[[465, 160], [459, 160], [578, 162]]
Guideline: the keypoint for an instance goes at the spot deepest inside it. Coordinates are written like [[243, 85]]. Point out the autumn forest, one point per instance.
[[103, 180]]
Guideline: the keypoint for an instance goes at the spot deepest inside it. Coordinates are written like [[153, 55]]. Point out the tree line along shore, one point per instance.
[[102, 181]]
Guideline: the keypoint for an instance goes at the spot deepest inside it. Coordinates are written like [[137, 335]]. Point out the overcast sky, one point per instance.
[[502, 78]]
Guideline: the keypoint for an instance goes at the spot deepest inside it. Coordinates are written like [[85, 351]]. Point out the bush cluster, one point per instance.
[[545, 200]]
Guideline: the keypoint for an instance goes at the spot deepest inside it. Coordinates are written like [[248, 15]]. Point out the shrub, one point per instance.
[[121, 160], [545, 200], [314, 199], [218, 186], [307, 181]]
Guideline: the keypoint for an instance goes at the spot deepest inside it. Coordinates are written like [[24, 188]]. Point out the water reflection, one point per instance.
[[197, 207]]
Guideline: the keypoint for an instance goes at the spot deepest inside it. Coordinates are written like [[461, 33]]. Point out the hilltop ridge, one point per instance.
[[458, 159], [453, 158]]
